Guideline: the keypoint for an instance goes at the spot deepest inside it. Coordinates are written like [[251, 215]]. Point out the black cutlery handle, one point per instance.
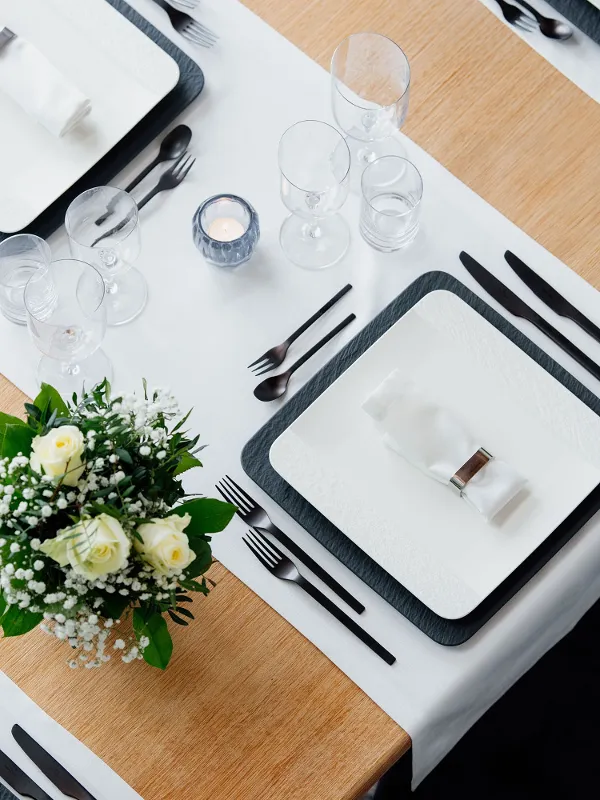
[[342, 617], [151, 194], [318, 314], [567, 345], [146, 171], [315, 568], [315, 349], [586, 324]]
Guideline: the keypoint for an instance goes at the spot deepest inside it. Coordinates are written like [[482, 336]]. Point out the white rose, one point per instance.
[[164, 545], [59, 453], [94, 547]]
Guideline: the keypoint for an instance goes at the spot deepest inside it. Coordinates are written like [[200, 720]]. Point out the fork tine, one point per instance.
[[228, 499], [259, 361], [269, 366], [260, 542], [191, 36], [238, 500], [185, 170], [255, 551], [198, 27], [269, 545], [181, 164], [245, 496], [176, 164]]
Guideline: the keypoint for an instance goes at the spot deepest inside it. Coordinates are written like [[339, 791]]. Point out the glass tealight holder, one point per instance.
[[226, 230]]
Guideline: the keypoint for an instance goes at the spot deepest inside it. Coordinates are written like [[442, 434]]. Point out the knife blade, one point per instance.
[[550, 296], [19, 781], [513, 303], [54, 771]]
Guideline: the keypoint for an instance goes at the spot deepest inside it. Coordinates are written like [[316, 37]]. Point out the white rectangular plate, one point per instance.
[[122, 71], [418, 530]]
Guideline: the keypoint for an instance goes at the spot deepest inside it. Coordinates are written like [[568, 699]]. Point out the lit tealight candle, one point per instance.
[[225, 229]]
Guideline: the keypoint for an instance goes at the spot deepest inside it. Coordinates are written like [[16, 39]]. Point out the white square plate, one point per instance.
[[122, 71], [418, 530]]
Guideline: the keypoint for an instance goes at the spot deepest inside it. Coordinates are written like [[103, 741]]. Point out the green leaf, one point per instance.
[[17, 621], [124, 455], [177, 619], [113, 606], [203, 558], [208, 515], [3, 607], [15, 436], [181, 422], [184, 612], [49, 400], [187, 461], [159, 651]]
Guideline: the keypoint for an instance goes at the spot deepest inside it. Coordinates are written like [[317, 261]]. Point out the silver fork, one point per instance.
[[171, 178], [6, 35], [515, 16], [282, 567], [257, 518], [187, 26]]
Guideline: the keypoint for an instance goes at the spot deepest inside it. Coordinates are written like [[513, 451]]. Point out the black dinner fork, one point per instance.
[[282, 567], [171, 178], [187, 26], [257, 518], [515, 16]]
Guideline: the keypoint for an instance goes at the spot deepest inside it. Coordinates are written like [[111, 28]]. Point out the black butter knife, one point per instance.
[[54, 771], [550, 296], [19, 781], [511, 302]]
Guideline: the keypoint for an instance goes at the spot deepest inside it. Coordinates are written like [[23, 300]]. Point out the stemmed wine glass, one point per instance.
[[314, 161], [103, 229], [66, 316], [370, 81]]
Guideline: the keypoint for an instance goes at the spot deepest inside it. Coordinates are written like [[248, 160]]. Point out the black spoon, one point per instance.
[[551, 28], [276, 386], [172, 146]]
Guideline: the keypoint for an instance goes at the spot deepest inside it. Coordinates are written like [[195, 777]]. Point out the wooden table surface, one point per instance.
[[261, 713]]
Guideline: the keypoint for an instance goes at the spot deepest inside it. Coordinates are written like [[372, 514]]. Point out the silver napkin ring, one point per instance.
[[469, 469]]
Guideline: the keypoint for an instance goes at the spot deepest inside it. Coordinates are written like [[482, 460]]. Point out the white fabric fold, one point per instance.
[[42, 91], [436, 442]]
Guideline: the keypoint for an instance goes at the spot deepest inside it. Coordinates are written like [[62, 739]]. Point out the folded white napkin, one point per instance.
[[436, 442], [39, 88]]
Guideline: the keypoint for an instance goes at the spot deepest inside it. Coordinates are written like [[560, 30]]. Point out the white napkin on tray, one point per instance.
[[39, 88], [436, 442]]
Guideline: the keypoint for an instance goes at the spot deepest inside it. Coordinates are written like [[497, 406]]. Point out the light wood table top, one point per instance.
[[261, 713]]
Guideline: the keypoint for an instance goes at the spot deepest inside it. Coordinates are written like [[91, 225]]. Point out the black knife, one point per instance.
[[19, 781], [550, 296], [511, 302], [54, 771]]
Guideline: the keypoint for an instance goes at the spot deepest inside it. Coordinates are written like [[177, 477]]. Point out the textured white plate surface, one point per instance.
[[122, 71], [419, 530]]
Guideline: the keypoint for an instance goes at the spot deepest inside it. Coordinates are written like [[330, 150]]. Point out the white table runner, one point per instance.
[[202, 327], [577, 58]]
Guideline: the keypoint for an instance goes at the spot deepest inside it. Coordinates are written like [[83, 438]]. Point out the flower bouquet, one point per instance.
[[96, 531]]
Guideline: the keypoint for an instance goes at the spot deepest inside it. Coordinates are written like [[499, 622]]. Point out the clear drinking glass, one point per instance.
[[104, 231], [66, 316], [370, 81], [392, 189], [314, 161], [20, 257]]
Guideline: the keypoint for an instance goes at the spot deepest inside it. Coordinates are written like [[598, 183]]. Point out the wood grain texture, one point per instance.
[[249, 709]]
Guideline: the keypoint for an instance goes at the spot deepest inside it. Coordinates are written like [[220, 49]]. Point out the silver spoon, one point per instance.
[[552, 28], [276, 386]]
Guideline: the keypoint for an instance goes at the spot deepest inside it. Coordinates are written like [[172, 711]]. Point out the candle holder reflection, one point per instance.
[[226, 230]]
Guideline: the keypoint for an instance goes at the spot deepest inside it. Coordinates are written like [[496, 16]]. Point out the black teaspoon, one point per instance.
[[276, 386], [172, 146]]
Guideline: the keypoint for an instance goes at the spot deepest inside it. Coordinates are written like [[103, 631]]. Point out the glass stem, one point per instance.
[[312, 230]]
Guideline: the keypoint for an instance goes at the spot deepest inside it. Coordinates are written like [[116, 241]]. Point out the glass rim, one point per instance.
[[396, 158], [118, 192], [336, 81], [46, 248], [234, 198], [38, 273], [318, 122]]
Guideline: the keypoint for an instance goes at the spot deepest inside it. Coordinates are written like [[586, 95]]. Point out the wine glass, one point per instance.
[[370, 81], [66, 316], [103, 229], [314, 161]]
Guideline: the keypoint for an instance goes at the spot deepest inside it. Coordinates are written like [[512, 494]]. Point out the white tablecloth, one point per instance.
[[202, 327]]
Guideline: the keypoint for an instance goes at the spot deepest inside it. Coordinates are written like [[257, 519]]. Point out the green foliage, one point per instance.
[[15, 436], [17, 621], [186, 462], [201, 546], [152, 624], [208, 515]]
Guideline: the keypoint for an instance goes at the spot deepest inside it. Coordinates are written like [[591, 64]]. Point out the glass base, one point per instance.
[[69, 378], [364, 153], [126, 297], [314, 245]]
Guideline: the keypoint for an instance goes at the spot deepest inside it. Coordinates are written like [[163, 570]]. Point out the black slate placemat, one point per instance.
[[255, 461], [5, 794], [582, 14], [191, 83]]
